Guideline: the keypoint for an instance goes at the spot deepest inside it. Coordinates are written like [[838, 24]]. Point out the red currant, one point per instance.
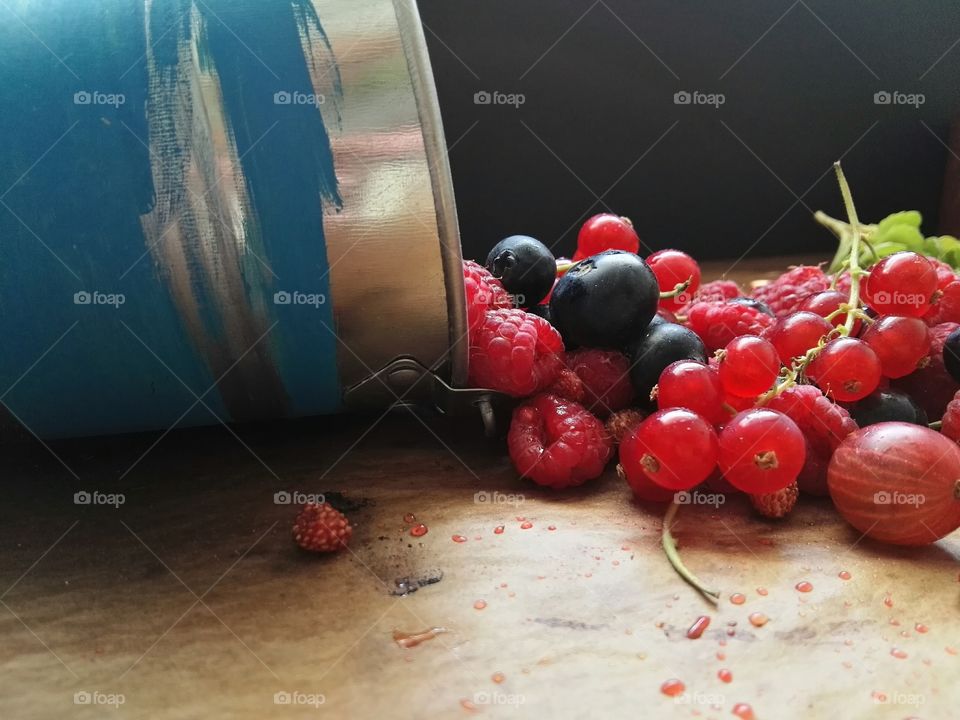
[[796, 333], [644, 488], [761, 451], [846, 370], [826, 302], [672, 268], [675, 448], [899, 342], [606, 232], [901, 284], [748, 366], [694, 386]]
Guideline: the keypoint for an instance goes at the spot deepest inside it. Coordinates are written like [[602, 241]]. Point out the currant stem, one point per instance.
[[678, 289], [673, 555], [854, 262]]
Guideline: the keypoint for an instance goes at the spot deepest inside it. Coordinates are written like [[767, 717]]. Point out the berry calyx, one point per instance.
[[321, 528], [748, 366], [675, 448], [606, 231], [846, 369], [761, 451], [674, 268]]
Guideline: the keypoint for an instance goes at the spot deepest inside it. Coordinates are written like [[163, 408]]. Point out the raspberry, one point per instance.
[[945, 273], [784, 294], [514, 352], [568, 386], [717, 323], [824, 426], [557, 443], [606, 379], [484, 292], [321, 528], [946, 307], [714, 291], [622, 422], [951, 419], [776, 504], [931, 387]]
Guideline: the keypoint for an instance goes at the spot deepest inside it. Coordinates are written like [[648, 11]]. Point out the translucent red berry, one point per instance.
[[796, 333], [748, 366], [676, 449], [899, 342], [761, 451], [826, 303], [672, 268], [901, 284], [606, 232], [846, 370], [692, 385]]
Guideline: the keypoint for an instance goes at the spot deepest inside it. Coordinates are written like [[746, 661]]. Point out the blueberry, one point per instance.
[[605, 301], [887, 406], [753, 303], [951, 354], [525, 266], [662, 344], [541, 310]]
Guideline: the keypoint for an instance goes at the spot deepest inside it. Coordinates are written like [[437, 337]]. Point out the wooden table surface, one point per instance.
[[189, 600]]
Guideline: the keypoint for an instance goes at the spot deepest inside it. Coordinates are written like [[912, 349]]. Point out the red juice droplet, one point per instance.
[[758, 619], [409, 640], [888, 601], [458, 539], [520, 518], [672, 687], [468, 705], [497, 677], [898, 653], [526, 525], [479, 604], [921, 628], [725, 675], [418, 530], [698, 627], [498, 530], [743, 711], [551, 527], [950, 650], [761, 591], [738, 598], [804, 586], [844, 575], [409, 518], [721, 656]]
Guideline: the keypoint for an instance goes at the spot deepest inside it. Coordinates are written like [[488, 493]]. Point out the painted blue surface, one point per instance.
[[75, 180]]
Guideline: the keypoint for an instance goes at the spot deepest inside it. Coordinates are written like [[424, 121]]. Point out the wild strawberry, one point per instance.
[[776, 504], [321, 528]]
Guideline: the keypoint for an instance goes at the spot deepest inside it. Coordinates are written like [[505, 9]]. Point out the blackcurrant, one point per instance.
[[663, 343], [605, 301], [525, 267], [541, 310], [951, 354], [757, 305], [887, 406]]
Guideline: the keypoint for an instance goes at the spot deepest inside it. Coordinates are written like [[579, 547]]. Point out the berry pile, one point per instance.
[[707, 384]]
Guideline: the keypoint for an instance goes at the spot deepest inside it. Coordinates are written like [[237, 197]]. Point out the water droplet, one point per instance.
[[888, 601], [458, 539], [721, 656], [418, 530], [725, 675], [497, 677], [503, 585], [551, 527], [615, 562], [844, 575], [761, 591], [921, 628], [479, 604], [758, 619], [804, 586], [898, 653], [498, 530], [672, 687], [743, 711], [526, 525], [520, 518], [895, 622], [738, 598], [950, 650], [698, 627], [468, 705], [409, 518]]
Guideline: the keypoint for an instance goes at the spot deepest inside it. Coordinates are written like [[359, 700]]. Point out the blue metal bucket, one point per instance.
[[218, 211]]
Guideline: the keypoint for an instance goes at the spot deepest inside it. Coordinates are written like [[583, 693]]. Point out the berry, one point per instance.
[[951, 354], [824, 426], [717, 323], [846, 369], [887, 406], [777, 504], [514, 352], [567, 386], [484, 292], [525, 267], [557, 442], [826, 303], [540, 311], [945, 273], [644, 488], [796, 333], [694, 386], [622, 422], [748, 366], [901, 284], [672, 268], [605, 375], [784, 294], [946, 307], [761, 451], [675, 448], [951, 419], [605, 300], [931, 386], [606, 232], [899, 342], [717, 291], [662, 344], [321, 528]]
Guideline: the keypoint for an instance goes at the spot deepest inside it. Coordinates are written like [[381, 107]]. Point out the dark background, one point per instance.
[[599, 129]]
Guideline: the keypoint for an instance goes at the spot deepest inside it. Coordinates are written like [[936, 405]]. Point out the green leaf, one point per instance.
[[904, 217]]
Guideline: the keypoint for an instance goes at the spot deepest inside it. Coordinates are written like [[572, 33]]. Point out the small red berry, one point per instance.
[[761, 451], [644, 488], [321, 528], [717, 323], [901, 284], [673, 268], [899, 342], [694, 386], [784, 294], [946, 307], [606, 232], [826, 303], [776, 504], [748, 366], [484, 292], [676, 449], [796, 333], [845, 370]]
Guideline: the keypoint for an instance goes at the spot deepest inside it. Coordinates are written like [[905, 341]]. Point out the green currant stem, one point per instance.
[[563, 267], [670, 548], [936, 425], [677, 289], [854, 261]]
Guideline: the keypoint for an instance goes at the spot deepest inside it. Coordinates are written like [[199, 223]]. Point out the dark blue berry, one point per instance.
[[662, 343], [951, 354], [525, 267], [887, 406]]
